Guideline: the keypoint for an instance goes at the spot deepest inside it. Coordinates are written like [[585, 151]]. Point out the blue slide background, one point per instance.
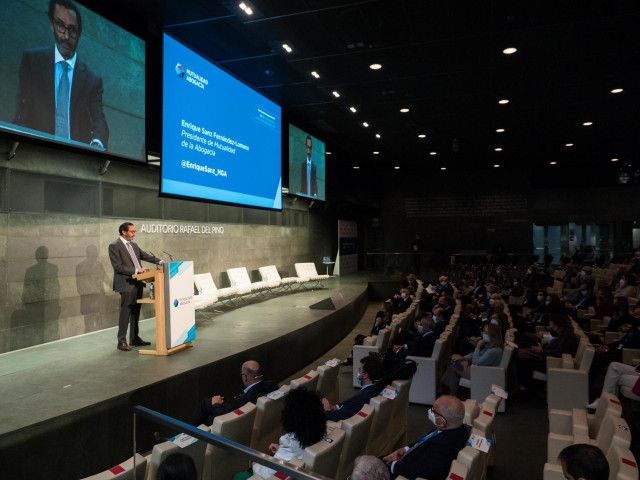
[[229, 108]]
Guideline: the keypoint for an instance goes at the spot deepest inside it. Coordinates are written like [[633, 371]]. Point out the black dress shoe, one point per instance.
[[138, 342], [124, 347]]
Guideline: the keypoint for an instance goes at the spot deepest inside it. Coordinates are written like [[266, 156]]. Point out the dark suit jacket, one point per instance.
[[206, 412], [433, 458], [422, 346], [123, 267], [35, 106], [352, 406], [303, 179]]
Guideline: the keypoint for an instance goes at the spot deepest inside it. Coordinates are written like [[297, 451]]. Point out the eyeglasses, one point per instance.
[[72, 30]]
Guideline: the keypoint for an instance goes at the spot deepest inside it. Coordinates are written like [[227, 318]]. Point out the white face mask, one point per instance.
[[494, 322], [420, 329], [515, 284], [622, 283], [443, 283], [432, 416], [539, 298], [404, 296], [492, 302], [547, 302]]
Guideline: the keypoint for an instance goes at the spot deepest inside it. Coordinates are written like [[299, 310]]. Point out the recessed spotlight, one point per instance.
[[443, 168], [498, 149], [504, 101], [248, 11], [336, 94], [378, 135], [422, 135], [375, 66], [353, 109], [497, 165], [617, 90], [396, 167], [287, 48], [614, 159], [243, 6], [432, 153], [587, 124], [315, 74], [568, 144], [500, 130], [376, 153], [553, 163], [365, 124], [356, 168], [328, 153], [404, 110], [509, 50]]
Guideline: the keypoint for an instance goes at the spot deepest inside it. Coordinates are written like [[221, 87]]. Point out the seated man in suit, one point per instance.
[[431, 456], [369, 371], [422, 345], [255, 387]]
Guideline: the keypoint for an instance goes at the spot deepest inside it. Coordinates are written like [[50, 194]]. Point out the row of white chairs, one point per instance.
[[241, 284]]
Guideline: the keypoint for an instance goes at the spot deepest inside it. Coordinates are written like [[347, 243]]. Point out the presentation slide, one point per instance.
[[221, 139], [306, 165], [70, 76]]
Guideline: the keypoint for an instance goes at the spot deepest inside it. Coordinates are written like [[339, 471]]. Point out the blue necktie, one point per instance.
[[62, 106]]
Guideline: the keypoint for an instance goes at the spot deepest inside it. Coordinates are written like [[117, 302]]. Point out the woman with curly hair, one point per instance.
[[304, 424]]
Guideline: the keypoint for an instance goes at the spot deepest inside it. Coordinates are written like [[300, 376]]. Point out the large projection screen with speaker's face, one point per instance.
[[71, 78], [220, 138]]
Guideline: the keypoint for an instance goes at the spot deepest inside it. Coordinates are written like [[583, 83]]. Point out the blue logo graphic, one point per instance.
[[180, 70], [176, 302]]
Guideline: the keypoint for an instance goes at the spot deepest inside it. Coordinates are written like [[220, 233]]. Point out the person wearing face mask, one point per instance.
[[626, 287], [402, 301], [422, 346], [517, 289], [369, 371], [444, 287], [431, 456], [488, 353]]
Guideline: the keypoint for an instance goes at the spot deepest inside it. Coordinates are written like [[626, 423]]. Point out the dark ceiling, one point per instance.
[[442, 60]]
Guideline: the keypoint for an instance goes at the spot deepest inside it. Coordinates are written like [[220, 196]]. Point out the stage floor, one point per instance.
[[47, 381]]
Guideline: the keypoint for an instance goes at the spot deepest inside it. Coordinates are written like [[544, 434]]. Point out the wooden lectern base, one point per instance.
[[168, 351]]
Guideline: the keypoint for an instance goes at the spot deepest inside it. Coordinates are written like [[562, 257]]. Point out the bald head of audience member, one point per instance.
[[448, 412], [368, 467], [251, 373]]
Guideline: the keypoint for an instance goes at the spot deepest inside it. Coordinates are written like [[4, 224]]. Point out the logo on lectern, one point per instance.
[[176, 302]]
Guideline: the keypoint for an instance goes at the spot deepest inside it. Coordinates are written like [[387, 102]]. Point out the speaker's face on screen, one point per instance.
[[65, 31], [309, 144]]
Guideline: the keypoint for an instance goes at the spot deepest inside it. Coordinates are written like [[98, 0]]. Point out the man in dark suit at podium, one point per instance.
[[125, 257]]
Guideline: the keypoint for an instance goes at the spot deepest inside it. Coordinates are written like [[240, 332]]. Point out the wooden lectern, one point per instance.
[[157, 276]]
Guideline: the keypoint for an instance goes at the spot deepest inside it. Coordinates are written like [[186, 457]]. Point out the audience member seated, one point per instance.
[[422, 344], [626, 287], [401, 301], [382, 320], [584, 462], [534, 356], [368, 467], [569, 273], [303, 424], [447, 304], [431, 456], [488, 353], [444, 287], [586, 276], [413, 280], [530, 279], [517, 289], [619, 374], [604, 303], [369, 372], [255, 387], [177, 466]]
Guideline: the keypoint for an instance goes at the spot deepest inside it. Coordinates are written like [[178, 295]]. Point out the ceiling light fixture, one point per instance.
[[396, 167], [365, 124], [499, 130], [497, 165], [432, 153], [248, 11], [375, 66], [404, 110], [587, 124], [315, 74], [336, 94], [568, 144], [614, 159], [498, 149], [243, 6], [287, 48], [422, 135], [353, 109], [376, 153], [443, 168], [356, 168], [509, 50], [552, 163], [378, 135], [617, 90], [504, 101]]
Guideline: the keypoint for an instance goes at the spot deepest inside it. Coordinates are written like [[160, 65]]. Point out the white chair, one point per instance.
[[622, 464], [482, 378], [162, 450], [271, 277], [377, 444], [328, 383], [308, 270], [356, 431], [236, 426], [473, 460], [399, 414], [425, 380], [568, 384], [267, 428], [579, 422], [308, 381], [207, 289], [239, 278], [360, 351], [322, 458], [124, 470]]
